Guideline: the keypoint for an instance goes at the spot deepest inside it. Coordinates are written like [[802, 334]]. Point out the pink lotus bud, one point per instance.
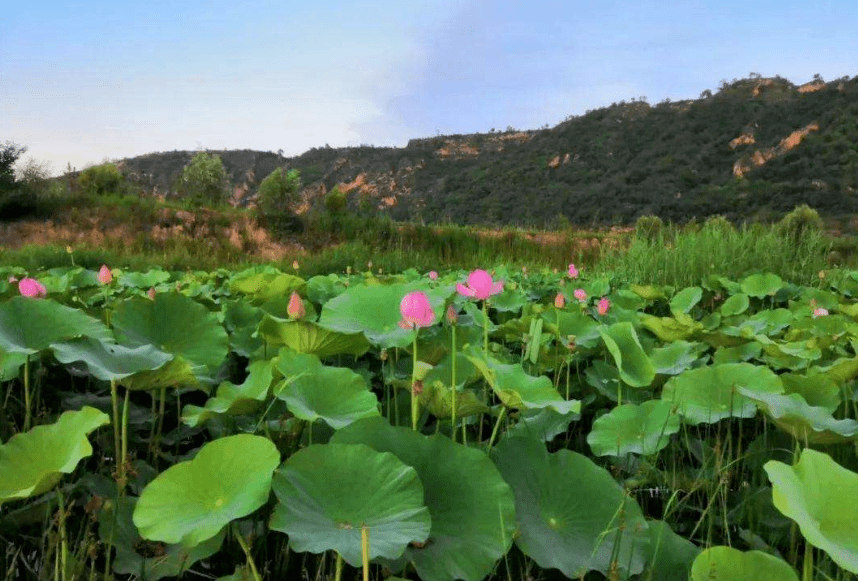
[[559, 301], [296, 309], [30, 287], [433, 275], [580, 294], [12, 279], [104, 275], [820, 312], [603, 306], [452, 315], [416, 311], [573, 272], [480, 286], [151, 293]]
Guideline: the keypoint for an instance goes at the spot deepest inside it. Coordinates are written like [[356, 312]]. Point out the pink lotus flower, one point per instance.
[[104, 275], [603, 306], [296, 309], [433, 275], [573, 272], [580, 294], [820, 312], [416, 311], [30, 287], [151, 293], [559, 301], [480, 286]]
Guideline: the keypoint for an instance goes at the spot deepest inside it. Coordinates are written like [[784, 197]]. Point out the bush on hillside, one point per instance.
[[802, 222], [204, 180], [648, 227], [279, 194], [101, 180]]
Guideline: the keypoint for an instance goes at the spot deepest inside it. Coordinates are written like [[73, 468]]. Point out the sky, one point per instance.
[[84, 82]]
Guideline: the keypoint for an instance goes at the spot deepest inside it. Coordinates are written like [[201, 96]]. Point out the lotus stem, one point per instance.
[[364, 550], [807, 566], [413, 386], [453, 389], [124, 457], [495, 430], [117, 450], [27, 412], [64, 548], [248, 554], [339, 571]]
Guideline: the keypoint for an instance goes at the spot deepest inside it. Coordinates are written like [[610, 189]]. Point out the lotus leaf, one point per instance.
[[571, 513], [735, 305], [709, 394], [670, 329], [10, 365], [472, 508], [263, 286], [47, 322], [168, 561], [812, 493], [762, 285], [805, 423], [241, 320], [109, 361], [234, 399], [729, 564], [314, 391], [684, 300], [192, 501], [543, 424], [629, 428], [308, 337], [636, 369], [674, 358], [33, 462], [327, 492], [518, 390], [435, 397], [143, 280], [175, 324], [818, 390], [738, 354], [672, 555], [585, 329]]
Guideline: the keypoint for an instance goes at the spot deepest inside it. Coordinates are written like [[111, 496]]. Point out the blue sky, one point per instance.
[[83, 82]]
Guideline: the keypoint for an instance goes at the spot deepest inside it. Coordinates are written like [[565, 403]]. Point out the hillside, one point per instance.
[[754, 149]]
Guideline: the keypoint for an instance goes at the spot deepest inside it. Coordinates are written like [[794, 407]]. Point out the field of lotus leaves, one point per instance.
[[486, 425]]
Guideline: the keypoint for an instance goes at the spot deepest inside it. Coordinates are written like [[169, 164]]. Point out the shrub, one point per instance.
[[100, 180], [279, 193], [335, 201], [204, 180], [718, 224], [648, 227], [800, 223]]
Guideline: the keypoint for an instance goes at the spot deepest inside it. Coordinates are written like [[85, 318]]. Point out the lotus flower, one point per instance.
[[573, 272], [416, 311], [559, 301], [820, 312], [604, 305], [580, 294], [151, 293], [30, 287], [480, 286], [296, 309], [433, 275], [104, 275]]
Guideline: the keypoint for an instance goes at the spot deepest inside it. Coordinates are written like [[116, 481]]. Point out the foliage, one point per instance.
[[101, 180], [9, 154], [204, 180], [800, 224], [648, 227], [278, 195]]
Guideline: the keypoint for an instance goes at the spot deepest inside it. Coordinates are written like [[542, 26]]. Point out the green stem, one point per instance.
[[486, 328], [413, 384], [124, 456], [453, 388], [64, 548], [364, 550], [27, 412], [339, 573], [807, 566], [309, 433], [495, 430], [114, 398], [246, 550]]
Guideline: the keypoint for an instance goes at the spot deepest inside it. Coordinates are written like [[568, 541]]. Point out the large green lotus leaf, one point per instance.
[[622, 341], [738, 353], [818, 390], [629, 428], [374, 311], [508, 301], [144, 280], [729, 564], [676, 357], [241, 320], [161, 560], [471, 506], [234, 399], [327, 492], [842, 370], [813, 493], [264, 286], [107, 360], [735, 305], [648, 292], [584, 327], [544, 424], [436, 397], [313, 391], [709, 394], [805, 423], [10, 365], [571, 512], [671, 555], [518, 390], [308, 337], [684, 300], [762, 285], [30, 325], [33, 462], [322, 288], [192, 501], [178, 372], [443, 371], [177, 325], [670, 329]]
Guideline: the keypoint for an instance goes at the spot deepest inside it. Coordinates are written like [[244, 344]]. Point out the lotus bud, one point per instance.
[[296, 309], [104, 275], [151, 293], [30, 287], [452, 316], [559, 301]]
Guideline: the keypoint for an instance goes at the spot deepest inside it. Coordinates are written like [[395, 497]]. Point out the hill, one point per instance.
[[756, 148]]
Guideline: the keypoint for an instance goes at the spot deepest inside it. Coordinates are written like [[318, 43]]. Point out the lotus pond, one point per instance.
[[256, 425]]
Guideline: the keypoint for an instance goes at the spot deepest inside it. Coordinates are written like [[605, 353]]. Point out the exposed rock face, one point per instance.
[[758, 158]]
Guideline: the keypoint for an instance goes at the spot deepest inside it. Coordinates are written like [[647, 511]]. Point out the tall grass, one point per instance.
[[686, 256]]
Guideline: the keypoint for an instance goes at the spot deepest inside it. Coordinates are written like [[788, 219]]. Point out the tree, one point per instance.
[[100, 180], [9, 154], [204, 180], [279, 193]]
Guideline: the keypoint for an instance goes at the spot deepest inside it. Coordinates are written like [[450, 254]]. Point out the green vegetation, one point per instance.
[[279, 195], [101, 180], [204, 180]]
